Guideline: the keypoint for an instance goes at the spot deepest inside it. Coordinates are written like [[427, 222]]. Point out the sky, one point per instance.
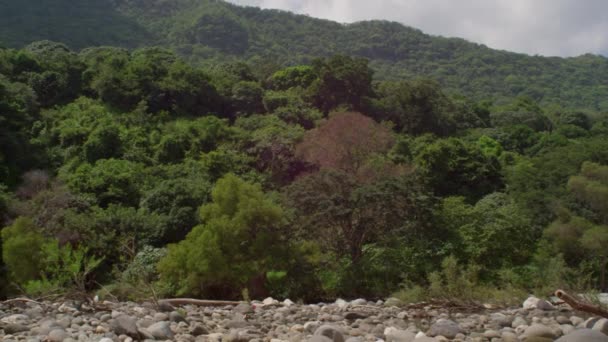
[[544, 27]]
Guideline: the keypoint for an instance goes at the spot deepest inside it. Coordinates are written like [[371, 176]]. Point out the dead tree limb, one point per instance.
[[579, 305], [198, 302], [20, 300]]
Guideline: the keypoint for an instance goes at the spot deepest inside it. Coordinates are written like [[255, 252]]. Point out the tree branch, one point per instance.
[[579, 305]]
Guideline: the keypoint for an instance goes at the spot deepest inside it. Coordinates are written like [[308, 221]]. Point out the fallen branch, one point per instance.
[[579, 305], [198, 302], [20, 300]]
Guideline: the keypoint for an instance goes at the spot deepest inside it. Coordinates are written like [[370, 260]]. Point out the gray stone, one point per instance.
[[359, 301], [397, 335], [176, 317], [15, 319], [601, 326], [332, 332], [517, 321], [445, 328], [317, 338], [584, 335], [355, 339], [530, 303], [58, 335], [508, 336], [354, 315], [161, 316], [243, 308], [126, 325], [425, 339], [161, 331], [566, 328], [491, 334], [199, 329], [591, 322], [393, 302], [165, 307], [544, 305], [105, 339], [576, 320], [539, 331], [13, 328]]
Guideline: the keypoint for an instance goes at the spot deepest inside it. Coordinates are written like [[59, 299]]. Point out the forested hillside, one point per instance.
[[125, 171], [207, 31]]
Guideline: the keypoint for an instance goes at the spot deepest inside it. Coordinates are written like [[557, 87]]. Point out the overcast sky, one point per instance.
[[544, 27]]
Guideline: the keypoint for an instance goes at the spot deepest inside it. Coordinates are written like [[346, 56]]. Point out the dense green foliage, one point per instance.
[[208, 31], [138, 170]]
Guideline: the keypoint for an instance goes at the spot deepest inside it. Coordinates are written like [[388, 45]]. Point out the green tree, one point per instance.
[[454, 167], [341, 80], [22, 250], [595, 240], [238, 240]]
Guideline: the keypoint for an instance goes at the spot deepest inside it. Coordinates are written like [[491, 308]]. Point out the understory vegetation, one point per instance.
[[135, 173]]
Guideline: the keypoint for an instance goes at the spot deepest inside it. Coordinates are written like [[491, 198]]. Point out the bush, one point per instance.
[[459, 284], [238, 241], [22, 250], [143, 266], [40, 266]]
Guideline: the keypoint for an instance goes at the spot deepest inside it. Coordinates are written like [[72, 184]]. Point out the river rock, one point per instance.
[[392, 334], [445, 328], [530, 303], [161, 331], [538, 332], [126, 325], [584, 335], [333, 333], [58, 335]]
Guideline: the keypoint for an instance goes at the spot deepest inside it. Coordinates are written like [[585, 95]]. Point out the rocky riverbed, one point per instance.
[[275, 321]]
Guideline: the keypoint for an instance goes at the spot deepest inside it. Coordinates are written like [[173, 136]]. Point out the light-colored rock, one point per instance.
[[58, 335], [544, 305], [508, 336], [270, 301], [584, 335], [161, 331], [576, 321], [333, 333], [566, 328], [601, 325], [359, 301], [16, 319], [123, 324], [445, 328], [536, 331], [530, 303], [518, 321], [393, 302], [392, 334], [341, 303]]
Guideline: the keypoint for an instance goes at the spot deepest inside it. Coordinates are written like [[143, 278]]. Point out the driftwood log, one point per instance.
[[198, 302], [20, 300], [580, 305]]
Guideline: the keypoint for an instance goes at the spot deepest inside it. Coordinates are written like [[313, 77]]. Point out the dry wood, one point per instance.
[[198, 302], [20, 300], [579, 305]]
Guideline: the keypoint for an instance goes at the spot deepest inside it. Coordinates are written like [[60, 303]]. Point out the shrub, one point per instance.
[[39, 265], [459, 284], [237, 242]]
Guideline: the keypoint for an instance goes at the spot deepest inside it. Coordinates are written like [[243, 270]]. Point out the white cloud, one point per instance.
[[545, 27]]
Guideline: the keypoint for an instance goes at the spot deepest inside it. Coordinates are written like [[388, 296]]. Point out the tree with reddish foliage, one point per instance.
[[348, 142]]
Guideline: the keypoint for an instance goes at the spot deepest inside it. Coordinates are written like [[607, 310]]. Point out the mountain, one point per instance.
[[206, 31]]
